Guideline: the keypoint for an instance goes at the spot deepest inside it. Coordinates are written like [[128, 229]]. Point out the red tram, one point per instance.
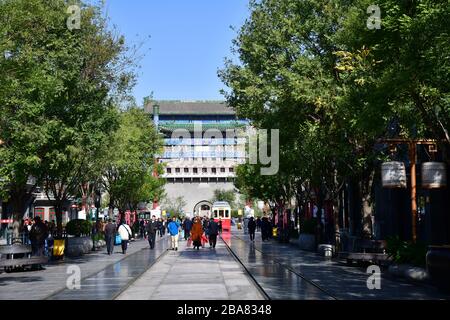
[[221, 210]]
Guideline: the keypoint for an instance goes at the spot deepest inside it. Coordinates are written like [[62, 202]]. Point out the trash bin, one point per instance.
[[274, 232], [58, 248]]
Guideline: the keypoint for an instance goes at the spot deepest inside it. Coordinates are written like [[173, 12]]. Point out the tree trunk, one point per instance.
[[337, 234], [320, 205], [366, 203], [59, 213], [20, 197]]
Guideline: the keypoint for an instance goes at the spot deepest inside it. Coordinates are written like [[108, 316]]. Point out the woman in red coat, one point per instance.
[[196, 233]]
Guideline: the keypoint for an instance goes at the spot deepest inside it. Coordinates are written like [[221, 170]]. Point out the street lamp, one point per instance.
[[394, 173]]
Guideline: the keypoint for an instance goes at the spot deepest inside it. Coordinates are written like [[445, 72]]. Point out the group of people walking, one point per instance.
[[111, 230], [197, 230], [35, 232], [202, 229], [160, 226], [251, 225]]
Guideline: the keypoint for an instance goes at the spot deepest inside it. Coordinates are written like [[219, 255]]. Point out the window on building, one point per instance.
[[169, 170], [39, 212], [52, 215], [231, 169], [177, 170], [213, 170], [195, 170], [222, 170], [205, 170], [186, 170]]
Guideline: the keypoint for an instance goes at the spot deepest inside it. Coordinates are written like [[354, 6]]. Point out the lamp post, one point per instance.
[[412, 148]]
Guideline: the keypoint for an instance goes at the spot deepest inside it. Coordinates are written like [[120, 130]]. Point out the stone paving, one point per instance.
[[39, 285], [274, 265], [283, 271], [188, 274]]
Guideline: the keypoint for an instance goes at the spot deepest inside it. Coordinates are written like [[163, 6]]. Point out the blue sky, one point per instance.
[[189, 40]]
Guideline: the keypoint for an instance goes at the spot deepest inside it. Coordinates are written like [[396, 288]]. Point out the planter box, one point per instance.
[[100, 243], [76, 247], [307, 242], [438, 266], [409, 272]]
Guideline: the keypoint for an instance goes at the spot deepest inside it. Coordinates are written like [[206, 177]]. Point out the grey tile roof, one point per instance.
[[191, 108]]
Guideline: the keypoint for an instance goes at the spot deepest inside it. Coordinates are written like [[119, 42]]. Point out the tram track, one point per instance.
[[260, 288], [281, 264], [116, 293], [130, 283]]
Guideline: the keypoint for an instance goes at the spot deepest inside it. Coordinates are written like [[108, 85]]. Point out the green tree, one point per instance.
[[174, 206], [401, 70], [58, 94], [225, 195], [288, 80], [131, 173]]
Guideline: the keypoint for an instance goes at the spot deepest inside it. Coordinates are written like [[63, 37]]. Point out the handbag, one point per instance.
[[204, 239], [118, 240], [189, 242]]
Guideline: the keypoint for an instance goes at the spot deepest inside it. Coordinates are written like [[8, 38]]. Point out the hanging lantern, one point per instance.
[[434, 175], [393, 174]]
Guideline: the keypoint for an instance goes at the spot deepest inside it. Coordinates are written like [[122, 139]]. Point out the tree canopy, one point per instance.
[[333, 87], [60, 94]]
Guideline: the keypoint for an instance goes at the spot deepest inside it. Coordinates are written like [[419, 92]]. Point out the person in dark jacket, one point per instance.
[[38, 234], [213, 231], [142, 228], [220, 225], [252, 228], [110, 235], [205, 225], [258, 224], [152, 228], [187, 226], [160, 227], [265, 229]]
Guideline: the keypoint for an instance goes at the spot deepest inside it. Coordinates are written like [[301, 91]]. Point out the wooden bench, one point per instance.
[[19, 256], [367, 251]]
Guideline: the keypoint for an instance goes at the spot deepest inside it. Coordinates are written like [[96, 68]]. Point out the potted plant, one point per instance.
[[408, 259], [80, 242]]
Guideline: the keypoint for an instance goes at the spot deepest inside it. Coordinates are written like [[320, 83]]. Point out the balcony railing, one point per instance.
[[206, 154], [204, 142]]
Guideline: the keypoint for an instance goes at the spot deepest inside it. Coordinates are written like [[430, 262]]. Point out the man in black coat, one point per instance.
[[213, 231], [142, 228], [110, 235], [187, 226], [152, 228], [38, 234], [252, 228]]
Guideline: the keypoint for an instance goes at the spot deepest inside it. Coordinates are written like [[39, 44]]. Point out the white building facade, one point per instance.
[[203, 144]]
